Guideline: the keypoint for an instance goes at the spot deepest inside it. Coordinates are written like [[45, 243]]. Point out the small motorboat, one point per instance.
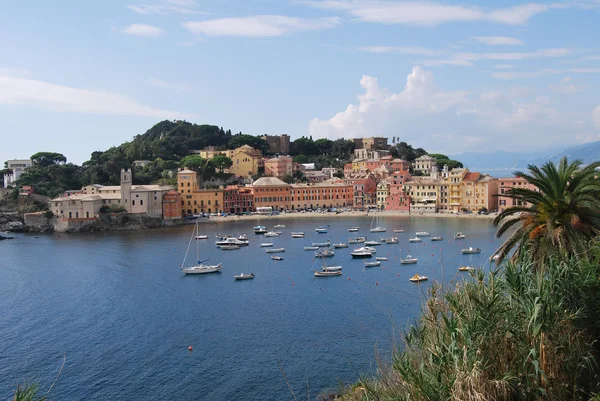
[[381, 258], [422, 234], [260, 230], [361, 253], [201, 237], [266, 244], [371, 249], [311, 248], [321, 230], [232, 241], [408, 260], [320, 244], [340, 245], [298, 235], [416, 239], [377, 229], [416, 278], [372, 243], [275, 250], [332, 268], [353, 229], [279, 226], [393, 240], [327, 273], [229, 247], [244, 276], [325, 253], [372, 264], [465, 268], [437, 238], [459, 235], [242, 237], [275, 257], [470, 250], [398, 231], [357, 240], [273, 234]]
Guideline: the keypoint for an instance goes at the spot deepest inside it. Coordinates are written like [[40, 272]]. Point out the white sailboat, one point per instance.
[[376, 229], [200, 267], [327, 271]]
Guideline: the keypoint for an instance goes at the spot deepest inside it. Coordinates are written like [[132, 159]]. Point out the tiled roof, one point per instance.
[[471, 176], [268, 181]]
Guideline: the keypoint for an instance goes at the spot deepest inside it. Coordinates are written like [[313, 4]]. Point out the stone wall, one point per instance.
[[37, 222]]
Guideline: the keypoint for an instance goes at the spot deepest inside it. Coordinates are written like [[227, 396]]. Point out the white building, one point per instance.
[[17, 167], [424, 164]]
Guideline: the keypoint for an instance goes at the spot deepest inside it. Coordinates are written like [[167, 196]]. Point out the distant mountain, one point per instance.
[[505, 163]]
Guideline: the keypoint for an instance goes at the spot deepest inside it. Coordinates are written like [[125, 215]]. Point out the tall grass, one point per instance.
[[511, 334]]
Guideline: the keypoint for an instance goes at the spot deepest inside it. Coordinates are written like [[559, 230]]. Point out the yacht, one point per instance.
[[232, 241], [260, 230], [408, 260], [470, 250], [370, 249], [376, 229], [361, 253], [199, 268]]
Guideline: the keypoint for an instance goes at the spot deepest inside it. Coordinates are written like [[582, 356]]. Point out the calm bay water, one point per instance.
[[120, 309]]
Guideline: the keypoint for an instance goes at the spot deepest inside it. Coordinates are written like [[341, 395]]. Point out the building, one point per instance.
[[504, 185], [171, 205], [271, 192], [17, 167], [210, 151], [371, 143], [328, 194], [424, 164], [364, 191], [471, 191], [315, 176], [383, 190], [308, 166], [195, 200], [368, 153], [348, 170], [278, 143], [279, 167], [77, 208], [26, 190], [238, 199], [330, 171], [425, 193], [397, 199], [246, 161], [140, 163]]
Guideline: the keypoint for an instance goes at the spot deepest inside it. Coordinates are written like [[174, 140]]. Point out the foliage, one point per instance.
[[45, 159], [193, 162], [442, 159], [406, 152], [48, 214], [511, 334], [288, 179], [241, 139], [114, 208], [558, 218], [302, 159], [52, 180], [221, 162], [28, 392], [303, 146]]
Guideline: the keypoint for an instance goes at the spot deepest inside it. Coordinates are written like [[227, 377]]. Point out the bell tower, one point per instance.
[[126, 182]]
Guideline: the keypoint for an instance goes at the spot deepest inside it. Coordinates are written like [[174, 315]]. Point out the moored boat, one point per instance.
[[298, 235], [340, 245], [321, 243], [201, 237], [325, 253], [230, 247], [326, 273], [311, 248], [470, 250], [381, 258], [275, 257], [437, 238], [260, 230], [361, 253], [459, 235], [422, 234], [244, 276], [201, 267], [266, 244], [232, 241], [357, 240], [353, 229], [321, 230], [274, 250], [416, 239], [417, 277], [465, 268], [372, 243], [408, 260], [392, 240], [273, 234], [399, 230], [372, 264], [279, 226]]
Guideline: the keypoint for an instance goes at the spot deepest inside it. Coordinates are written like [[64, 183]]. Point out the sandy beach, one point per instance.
[[343, 215]]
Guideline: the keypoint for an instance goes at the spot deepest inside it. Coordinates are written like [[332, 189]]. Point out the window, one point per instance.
[[141, 202], [133, 202]]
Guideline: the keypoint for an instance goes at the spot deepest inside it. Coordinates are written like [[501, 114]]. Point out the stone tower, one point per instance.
[[126, 182], [435, 173], [445, 173]]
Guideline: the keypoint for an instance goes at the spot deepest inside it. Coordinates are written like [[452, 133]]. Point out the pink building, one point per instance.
[[279, 167], [347, 170], [365, 191], [399, 165], [397, 199], [504, 184]]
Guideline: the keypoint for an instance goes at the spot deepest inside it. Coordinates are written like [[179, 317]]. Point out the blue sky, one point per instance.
[[80, 76]]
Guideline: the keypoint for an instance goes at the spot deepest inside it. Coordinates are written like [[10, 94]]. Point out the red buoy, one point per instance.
[[190, 348], [377, 283]]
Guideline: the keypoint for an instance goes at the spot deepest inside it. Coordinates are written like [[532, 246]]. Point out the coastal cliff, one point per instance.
[[118, 222]]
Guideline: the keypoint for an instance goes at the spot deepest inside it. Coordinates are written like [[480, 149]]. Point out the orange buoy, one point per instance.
[[292, 283], [377, 283], [190, 348]]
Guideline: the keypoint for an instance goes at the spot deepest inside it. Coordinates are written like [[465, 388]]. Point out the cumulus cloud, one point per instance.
[[430, 13], [143, 30], [46, 95], [498, 40], [259, 25], [452, 121]]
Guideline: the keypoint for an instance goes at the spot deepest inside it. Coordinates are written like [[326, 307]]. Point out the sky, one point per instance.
[[451, 76]]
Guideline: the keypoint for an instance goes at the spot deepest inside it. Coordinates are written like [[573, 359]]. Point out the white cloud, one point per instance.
[[452, 121], [566, 87], [159, 83], [586, 70], [430, 13], [184, 7], [259, 25], [504, 66], [46, 95], [442, 62], [497, 40], [143, 30], [466, 59], [423, 51]]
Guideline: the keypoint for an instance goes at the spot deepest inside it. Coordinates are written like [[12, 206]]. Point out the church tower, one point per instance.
[[126, 182]]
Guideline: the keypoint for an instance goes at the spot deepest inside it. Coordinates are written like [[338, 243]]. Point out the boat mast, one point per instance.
[[197, 248], [188, 247]]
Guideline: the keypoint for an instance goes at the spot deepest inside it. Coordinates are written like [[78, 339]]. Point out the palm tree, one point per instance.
[[560, 216]]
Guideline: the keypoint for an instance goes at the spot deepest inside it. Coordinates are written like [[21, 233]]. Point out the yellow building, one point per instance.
[[195, 200], [359, 165], [245, 164], [210, 152], [472, 191], [383, 190]]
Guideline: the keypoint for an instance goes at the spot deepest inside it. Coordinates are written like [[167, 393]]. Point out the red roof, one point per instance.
[[472, 176]]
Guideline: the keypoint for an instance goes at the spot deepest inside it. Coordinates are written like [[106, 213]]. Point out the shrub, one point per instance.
[[48, 214]]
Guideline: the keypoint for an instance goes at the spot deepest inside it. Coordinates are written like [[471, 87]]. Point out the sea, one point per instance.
[[114, 314]]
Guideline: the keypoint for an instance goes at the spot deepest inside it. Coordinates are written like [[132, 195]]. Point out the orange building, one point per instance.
[[279, 167], [327, 194], [506, 184], [171, 204], [238, 199], [195, 200], [271, 192]]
